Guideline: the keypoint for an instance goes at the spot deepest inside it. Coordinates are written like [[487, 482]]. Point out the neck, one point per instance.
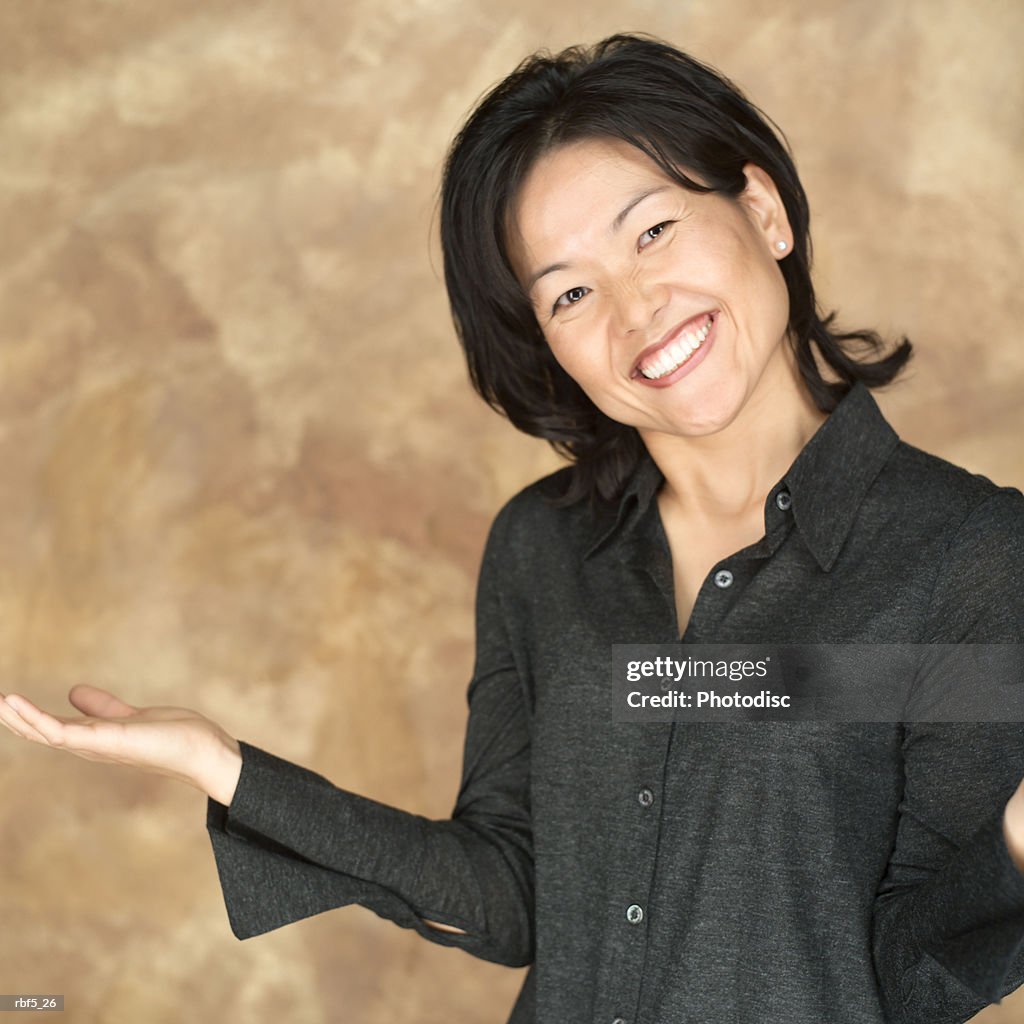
[[725, 476]]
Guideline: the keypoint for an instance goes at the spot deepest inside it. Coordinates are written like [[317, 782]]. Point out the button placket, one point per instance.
[[637, 831]]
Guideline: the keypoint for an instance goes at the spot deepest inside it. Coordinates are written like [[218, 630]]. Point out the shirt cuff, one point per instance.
[[271, 862], [981, 943]]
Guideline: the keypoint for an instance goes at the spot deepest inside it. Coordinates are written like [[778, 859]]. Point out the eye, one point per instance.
[[655, 232], [572, 296]]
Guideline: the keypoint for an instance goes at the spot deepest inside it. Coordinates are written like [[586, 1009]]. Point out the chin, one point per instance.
[[711, 409]]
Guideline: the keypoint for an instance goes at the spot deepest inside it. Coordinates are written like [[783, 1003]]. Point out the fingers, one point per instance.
[[7, 715], [99, 703], [37, 725], [12, 713]]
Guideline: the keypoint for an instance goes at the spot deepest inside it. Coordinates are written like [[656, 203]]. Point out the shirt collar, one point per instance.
[[827, 481]]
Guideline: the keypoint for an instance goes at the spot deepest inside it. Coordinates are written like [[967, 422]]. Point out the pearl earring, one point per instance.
[[780, 246]]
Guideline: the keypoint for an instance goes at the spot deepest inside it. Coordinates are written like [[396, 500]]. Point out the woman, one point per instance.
[[627, 258]]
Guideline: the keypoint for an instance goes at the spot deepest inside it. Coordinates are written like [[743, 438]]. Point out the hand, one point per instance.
[[1013, 827], [175, 742]]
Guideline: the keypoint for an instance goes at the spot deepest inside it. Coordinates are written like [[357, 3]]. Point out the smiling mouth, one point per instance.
[[667, 356]]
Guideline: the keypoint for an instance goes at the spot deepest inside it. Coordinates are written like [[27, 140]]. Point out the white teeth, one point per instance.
[[674, 355]]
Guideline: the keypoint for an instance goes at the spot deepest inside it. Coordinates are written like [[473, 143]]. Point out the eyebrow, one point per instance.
[[615, 226]]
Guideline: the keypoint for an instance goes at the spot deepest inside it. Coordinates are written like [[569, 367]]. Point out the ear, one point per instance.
[[766, 210]]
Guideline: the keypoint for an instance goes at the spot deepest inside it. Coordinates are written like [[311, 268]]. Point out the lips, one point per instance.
[[692, 325]]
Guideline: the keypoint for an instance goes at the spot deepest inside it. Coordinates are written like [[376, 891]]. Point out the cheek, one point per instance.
[[571, 344], [581, 362], [569, 359], [757, 279], [775, 292]]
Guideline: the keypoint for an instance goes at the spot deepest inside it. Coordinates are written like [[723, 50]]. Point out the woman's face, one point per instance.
[[630, 274]]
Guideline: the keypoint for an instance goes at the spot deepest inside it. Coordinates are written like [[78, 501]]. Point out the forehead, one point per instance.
[[570, 197], [575, 182]]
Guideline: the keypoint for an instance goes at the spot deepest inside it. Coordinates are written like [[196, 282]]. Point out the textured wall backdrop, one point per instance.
[[243, 469]]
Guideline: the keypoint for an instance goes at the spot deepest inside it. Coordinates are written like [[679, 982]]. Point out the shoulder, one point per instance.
[[940, 488], [926, 496], [531, 529], [532, 510], [978, 527]]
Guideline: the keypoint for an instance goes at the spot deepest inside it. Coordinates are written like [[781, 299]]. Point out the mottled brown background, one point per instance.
[[243, 468]]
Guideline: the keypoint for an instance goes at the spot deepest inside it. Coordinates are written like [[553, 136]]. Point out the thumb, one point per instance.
[[99, 703]]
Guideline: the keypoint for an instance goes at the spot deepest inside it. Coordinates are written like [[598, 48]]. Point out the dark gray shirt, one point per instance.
[[698, 872]]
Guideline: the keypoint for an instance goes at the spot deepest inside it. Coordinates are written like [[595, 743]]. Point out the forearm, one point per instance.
[[466, 881]]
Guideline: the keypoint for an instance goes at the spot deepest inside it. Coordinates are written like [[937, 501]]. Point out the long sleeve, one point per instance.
[[948, 919], [292, 844]]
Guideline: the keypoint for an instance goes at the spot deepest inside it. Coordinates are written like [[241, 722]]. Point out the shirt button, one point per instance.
[[619, 1020], [634, 913], [783, 499], [646, 797], [723, 578]]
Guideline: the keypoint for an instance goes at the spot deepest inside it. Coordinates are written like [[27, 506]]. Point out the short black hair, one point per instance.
[[684, 115]]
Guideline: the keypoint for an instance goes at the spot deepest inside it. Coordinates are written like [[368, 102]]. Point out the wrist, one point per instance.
[[1013, 831], [225, 767]]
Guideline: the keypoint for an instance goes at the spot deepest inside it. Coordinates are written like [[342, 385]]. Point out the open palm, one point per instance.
[[172, 741]]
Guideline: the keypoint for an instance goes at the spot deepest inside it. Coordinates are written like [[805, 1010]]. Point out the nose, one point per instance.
[[637, 302]]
